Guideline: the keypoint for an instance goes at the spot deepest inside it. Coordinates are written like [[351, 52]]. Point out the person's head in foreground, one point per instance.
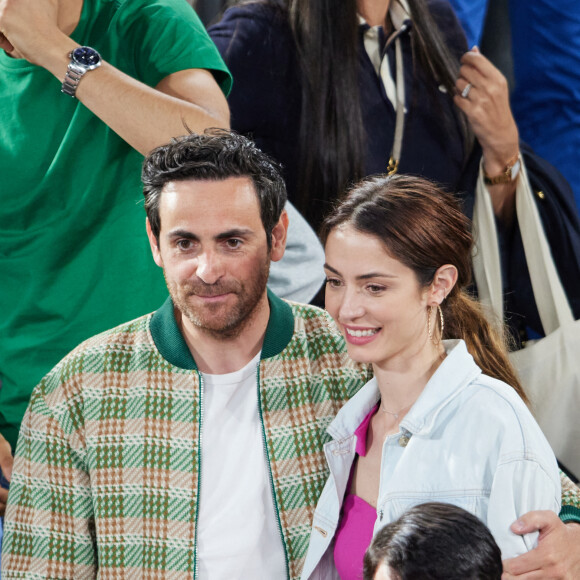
[[398, 261], [433, 541], [215, 220]]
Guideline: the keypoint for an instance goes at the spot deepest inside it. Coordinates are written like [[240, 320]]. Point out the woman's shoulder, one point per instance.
[[496, 391], [491, 406], [504, 413]]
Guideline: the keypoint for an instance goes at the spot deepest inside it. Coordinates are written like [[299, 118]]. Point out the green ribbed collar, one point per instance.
[[173, 348], [570, 513]]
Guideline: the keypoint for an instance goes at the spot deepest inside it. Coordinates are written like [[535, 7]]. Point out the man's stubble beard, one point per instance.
[[231, 323]]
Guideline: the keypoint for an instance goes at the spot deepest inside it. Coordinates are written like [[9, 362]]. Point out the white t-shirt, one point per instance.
[[238, 535]]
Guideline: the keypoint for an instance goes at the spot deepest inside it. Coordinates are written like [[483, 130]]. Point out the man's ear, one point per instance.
[[154, 243], [443, 281], [279, 236]]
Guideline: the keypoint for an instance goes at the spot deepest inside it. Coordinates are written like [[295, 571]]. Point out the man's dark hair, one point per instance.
[[216, 154], [435, 541]]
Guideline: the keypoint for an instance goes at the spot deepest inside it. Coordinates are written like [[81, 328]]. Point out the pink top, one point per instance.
[[357, 519]]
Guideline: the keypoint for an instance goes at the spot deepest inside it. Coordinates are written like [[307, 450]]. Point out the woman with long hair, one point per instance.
[[338, 90], [444, 418]]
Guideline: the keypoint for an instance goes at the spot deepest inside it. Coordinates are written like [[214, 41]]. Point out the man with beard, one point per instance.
[[188, 442]]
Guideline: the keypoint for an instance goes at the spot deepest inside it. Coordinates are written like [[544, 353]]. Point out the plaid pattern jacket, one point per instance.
[[106, 479]]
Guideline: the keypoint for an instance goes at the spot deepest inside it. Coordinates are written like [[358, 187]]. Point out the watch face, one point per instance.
[[86, 56]]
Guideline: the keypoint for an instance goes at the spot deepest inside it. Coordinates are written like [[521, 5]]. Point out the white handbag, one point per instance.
[[549, 368]]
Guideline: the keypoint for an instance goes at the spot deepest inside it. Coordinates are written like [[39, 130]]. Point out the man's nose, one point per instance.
[[209, 267]]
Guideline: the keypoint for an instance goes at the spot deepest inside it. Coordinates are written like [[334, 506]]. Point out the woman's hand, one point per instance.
[[483, 95], [487, 107]]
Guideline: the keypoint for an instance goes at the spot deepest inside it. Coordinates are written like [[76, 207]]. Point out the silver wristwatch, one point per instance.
[[82, 59]]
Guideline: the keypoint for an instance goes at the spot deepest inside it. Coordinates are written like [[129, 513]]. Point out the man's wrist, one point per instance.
[[82, 60], [55, 56]]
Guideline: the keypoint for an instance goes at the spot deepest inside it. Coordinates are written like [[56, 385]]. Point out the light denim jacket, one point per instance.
[[472, 442]]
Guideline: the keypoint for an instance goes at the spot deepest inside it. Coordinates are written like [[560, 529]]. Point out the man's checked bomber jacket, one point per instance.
[[108, 460], [107, 467]]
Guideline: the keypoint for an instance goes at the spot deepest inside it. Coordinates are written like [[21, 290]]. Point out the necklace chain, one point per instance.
[[395, 415]]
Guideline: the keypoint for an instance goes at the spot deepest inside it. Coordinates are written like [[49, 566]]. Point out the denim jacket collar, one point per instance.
[[439, 391]]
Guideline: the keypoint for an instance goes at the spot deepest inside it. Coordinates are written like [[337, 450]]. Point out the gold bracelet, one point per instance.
[[509, 174]]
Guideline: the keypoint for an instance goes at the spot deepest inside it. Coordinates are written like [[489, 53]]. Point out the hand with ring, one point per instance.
[[483, 95]]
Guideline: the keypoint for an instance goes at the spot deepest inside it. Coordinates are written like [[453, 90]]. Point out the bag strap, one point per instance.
[[549, 294], [486, 259]]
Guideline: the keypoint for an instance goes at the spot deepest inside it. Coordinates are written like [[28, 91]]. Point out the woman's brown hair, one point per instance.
[[423, 227]]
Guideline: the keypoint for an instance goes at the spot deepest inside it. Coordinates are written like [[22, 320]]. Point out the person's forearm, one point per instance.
[[503, 201], [483, 96], [143, 116]]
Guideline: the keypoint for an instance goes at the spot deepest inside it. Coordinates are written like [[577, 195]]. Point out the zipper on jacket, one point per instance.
[[271, 478], [199, 449]]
